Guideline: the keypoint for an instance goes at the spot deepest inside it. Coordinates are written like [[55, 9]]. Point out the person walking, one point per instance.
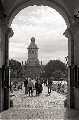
[[38, 87], [49, 86], [25, 85], [30, 86]]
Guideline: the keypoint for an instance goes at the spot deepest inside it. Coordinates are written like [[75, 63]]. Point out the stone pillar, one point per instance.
[[75, 29], [5, 33], [2, 62], [73, 53], [8, 33], [70, 99]]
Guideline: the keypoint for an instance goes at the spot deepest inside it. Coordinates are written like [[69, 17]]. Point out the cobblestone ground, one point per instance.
[[43, 107]]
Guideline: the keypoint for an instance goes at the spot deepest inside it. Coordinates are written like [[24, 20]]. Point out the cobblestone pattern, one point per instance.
[[43, 107]]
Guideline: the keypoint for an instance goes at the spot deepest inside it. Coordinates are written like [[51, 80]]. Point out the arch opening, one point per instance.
[[43, 31], [44, 18]]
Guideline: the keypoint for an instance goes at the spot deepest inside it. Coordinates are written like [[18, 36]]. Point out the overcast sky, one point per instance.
[[47, 26]]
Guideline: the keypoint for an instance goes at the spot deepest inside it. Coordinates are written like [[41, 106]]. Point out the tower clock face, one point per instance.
[[32, 52]]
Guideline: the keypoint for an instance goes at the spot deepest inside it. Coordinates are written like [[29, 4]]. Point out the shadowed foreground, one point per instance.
[[42, 107]]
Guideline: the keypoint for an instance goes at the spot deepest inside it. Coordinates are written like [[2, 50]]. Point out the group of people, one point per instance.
[[30, 86], [35, 87]]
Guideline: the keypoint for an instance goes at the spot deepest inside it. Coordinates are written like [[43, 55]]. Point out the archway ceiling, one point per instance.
[[68, 5]]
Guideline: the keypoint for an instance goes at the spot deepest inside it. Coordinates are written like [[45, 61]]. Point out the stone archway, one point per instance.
[[54, 5], [5, 31]]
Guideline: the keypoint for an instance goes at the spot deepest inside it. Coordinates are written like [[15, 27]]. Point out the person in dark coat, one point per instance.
[[25, 85], [38, 87], [49, 86], [30, 86]]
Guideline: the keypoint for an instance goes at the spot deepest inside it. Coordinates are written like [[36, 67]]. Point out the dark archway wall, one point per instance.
[[12, 7], [57, 6], [68, 5]]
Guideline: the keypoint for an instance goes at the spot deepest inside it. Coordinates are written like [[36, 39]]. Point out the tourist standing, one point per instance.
[[38, 87], [49, 85], [30, 86], [25, 85]]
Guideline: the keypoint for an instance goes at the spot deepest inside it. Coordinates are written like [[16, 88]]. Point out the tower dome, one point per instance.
[[33, 39], [32, 44]]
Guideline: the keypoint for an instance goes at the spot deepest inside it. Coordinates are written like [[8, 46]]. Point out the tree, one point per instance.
[[55, 68], [14, 64], [58, 75], [15, 67]]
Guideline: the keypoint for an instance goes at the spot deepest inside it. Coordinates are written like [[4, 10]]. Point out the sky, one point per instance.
[[47, 26]]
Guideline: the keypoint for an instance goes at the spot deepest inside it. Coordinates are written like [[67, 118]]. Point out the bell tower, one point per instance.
[[33, 67], [32, 53]]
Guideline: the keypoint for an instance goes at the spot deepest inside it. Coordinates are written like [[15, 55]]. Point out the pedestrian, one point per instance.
[[25, 85], [58, 87], [30, 86], [38, 87], [49, 85], [45, 81]]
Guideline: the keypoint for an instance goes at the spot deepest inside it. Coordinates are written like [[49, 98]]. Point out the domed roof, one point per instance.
[[33, 39], [32, 44]]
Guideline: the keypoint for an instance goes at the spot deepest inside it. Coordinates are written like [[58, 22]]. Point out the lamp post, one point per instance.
[[10, 78]]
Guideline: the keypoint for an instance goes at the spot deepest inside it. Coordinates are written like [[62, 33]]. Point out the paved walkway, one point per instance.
[[43, 107]]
